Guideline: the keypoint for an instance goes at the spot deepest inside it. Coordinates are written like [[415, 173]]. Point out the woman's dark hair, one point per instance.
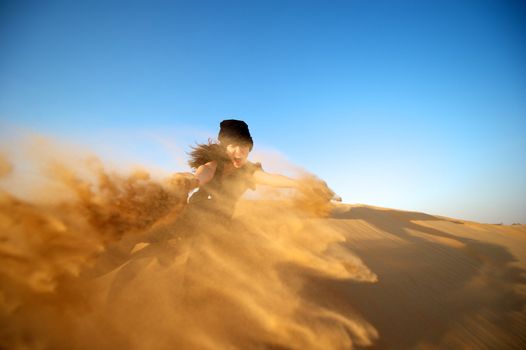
[[206, 152], [231, 131], [235, 131]]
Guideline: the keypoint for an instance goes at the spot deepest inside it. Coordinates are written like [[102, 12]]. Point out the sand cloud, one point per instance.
[[78, 272]]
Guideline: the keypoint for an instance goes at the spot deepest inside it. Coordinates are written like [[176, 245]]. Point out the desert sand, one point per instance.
[[442, 283], [79, 274]]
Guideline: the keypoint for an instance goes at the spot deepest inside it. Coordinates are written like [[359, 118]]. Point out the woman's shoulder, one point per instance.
[[252, 167]]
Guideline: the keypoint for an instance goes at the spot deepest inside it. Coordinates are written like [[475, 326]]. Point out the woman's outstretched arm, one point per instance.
[[275, 180]]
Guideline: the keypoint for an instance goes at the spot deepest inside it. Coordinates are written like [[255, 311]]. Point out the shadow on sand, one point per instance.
[[429, 295]]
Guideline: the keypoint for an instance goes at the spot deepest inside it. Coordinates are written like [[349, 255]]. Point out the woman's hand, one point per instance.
[[188, 181], [316, 196]]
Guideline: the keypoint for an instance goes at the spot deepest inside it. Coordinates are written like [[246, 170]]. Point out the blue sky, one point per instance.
[[416, 105]]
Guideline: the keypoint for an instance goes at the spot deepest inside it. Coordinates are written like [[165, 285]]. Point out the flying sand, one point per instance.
[[119, 261]]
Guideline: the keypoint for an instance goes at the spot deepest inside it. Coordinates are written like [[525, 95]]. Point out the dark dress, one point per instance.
[[213, 205], [220, 195]]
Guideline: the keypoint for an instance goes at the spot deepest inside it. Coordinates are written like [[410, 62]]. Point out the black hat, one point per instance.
[[232, 130]]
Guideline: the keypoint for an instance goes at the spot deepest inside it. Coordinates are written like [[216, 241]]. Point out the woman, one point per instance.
[[223, 172], [222, 175]]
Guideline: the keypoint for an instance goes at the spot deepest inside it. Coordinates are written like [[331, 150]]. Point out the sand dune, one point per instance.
[[80, 273], [442, 283]]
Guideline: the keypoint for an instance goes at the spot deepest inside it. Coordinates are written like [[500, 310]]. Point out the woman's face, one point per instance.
[[238, 154]]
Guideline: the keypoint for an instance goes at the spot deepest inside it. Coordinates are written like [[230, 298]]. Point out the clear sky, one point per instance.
[[415, 105]]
